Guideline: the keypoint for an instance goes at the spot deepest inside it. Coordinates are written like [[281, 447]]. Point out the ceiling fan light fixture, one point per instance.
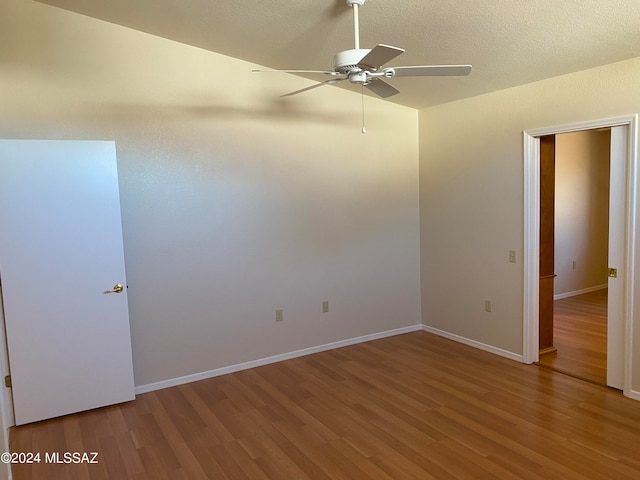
[[360, 78]]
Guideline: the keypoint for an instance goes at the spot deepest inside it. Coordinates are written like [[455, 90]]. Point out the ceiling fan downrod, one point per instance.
[[356, 4]]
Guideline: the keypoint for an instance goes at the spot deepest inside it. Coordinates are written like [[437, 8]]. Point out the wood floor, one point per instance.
[[414, 406], [580, 335]]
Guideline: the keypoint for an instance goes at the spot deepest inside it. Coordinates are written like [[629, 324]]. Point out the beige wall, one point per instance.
[[235, 202], [581, 210], [471, 196]]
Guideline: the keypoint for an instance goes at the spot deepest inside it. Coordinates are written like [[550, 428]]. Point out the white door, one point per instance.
[[60, 249], [615, 312]]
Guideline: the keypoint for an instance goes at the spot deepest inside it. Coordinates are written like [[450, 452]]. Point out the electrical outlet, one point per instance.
[[279, 315], [512, 256], [325, 306], [487, 305]]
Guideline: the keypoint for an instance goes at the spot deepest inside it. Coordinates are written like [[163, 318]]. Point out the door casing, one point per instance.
[[532, 234]]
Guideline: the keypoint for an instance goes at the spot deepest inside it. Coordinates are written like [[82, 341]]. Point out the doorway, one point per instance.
[[619, 368], [574, 245]]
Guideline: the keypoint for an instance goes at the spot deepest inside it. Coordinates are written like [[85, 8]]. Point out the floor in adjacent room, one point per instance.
[[580, 335]]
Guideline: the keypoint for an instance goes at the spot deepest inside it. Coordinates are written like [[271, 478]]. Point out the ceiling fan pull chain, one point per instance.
[[364, 130]]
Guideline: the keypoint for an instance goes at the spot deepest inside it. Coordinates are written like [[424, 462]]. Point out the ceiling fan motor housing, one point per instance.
[[347, 60]]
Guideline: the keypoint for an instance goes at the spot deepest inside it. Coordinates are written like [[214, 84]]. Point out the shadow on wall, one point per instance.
[[275, 109]]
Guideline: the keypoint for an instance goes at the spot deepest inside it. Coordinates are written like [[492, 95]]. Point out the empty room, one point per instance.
[[308, 239]]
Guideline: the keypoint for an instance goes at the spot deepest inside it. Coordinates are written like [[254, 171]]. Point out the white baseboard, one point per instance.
[[580, 292], [633, 394], [473, 343], [172, 382]]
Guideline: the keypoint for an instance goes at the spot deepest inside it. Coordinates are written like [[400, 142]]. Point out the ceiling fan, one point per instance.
[[363, 66]]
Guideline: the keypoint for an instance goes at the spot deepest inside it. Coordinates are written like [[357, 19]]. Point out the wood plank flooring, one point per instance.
[[580, 335], [414, 406]]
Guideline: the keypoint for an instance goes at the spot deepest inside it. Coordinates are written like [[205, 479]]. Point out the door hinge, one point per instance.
[[613, 272], [7, 381]]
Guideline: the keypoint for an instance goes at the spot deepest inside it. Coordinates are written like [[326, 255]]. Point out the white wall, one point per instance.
[[235, 202], [471, 196], [581, 210]]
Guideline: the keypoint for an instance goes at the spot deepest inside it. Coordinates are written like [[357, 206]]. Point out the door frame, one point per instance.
[[6, 399], [532, 234]]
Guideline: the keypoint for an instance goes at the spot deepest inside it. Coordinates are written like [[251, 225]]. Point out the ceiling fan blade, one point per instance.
[[431, 70], [323, 72], [382, 88], [326, 82], [379, 55]]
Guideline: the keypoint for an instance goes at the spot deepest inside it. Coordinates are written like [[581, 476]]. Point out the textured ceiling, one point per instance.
[[508, 42]]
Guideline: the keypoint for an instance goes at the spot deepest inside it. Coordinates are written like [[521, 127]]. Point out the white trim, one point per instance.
[[579, 126], [531, 257], [633, 190], [172, 382], [575, 293], [532, 234], [473, 343], [6, 398]]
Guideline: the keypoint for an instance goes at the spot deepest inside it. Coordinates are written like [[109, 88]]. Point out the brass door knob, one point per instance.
[[117, 288]]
